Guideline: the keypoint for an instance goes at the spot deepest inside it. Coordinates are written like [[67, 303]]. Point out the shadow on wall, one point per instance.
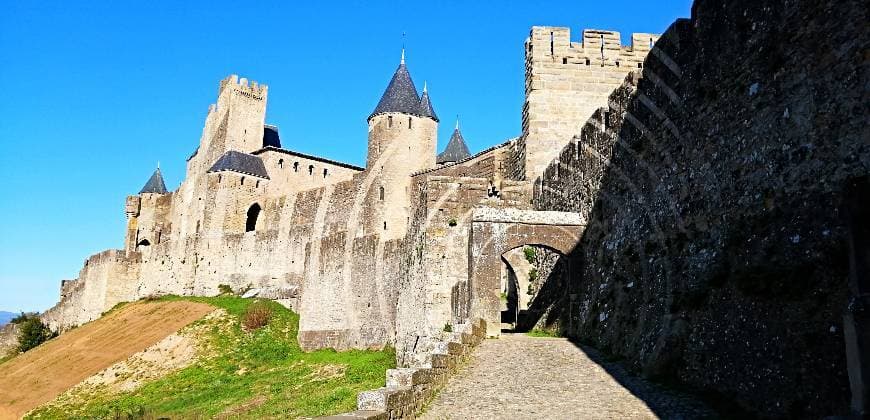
[[715, 254]]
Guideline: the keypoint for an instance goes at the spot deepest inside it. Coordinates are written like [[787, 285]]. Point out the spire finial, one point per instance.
[[158, 165], [457, 121], [424, 87], [403, 48]]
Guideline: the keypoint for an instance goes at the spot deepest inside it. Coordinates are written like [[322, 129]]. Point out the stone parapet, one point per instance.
[[407, 390]]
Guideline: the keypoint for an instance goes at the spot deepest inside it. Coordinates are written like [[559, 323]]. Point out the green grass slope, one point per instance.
[[239, 374]]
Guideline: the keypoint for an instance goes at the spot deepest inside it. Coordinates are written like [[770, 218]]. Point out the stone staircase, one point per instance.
[[408, 390]]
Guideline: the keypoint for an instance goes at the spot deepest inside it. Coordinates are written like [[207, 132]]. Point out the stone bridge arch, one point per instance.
[[497, 231]]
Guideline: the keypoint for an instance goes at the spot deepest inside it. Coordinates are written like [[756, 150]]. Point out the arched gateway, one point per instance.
[[497, 231]]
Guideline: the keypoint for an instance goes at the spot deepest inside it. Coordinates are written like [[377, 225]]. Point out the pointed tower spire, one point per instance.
[[155, 184], [401, 94], [426, 109], [456, 149]]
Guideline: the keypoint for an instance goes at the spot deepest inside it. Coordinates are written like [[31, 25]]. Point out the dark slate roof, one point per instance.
[[456, 149], [400, 96], [155, 184], [426, 106], [270, 136], [240, 162]]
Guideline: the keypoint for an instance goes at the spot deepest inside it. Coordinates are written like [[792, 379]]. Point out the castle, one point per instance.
[[349, 248], [706, 191]]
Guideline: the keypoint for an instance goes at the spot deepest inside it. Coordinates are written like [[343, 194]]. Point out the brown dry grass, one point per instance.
[[50, 369]]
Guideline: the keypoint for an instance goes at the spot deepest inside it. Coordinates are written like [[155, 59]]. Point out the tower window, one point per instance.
[[219, 178], [564, 61], [280, 163], [409, 123], [381, 193], [325, 171], [390, 121], [295, 166], [310, 169], [257, 185], [253, 214], [588, 62], [385, 225], [242, 182], [640, 65]]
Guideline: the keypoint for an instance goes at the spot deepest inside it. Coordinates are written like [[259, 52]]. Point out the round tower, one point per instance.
[[403, 134]]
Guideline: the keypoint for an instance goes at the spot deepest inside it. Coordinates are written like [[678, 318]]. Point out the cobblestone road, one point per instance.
[[517, 377]]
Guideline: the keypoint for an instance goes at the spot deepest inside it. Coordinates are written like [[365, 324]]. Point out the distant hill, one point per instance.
[[5, 317]]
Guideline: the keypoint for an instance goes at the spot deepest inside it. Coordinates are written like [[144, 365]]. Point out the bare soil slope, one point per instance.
[[50, 369]]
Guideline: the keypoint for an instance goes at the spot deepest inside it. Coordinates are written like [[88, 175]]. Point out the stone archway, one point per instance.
[[497, 231], [533, 286]]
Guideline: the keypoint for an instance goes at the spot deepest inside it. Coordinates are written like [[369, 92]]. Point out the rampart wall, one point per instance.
[[716, 251]]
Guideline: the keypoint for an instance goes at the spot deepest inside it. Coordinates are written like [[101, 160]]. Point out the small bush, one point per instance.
[[151, 298], [448, 327], [533, 274], [33, 333], [530, 254], [20, 318], [452, 222], [257, 315], [225, 289]]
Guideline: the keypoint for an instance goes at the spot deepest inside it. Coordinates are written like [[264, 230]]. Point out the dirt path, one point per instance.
[[518, 376], [46, 371]]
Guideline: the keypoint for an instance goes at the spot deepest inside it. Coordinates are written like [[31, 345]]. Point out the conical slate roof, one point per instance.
[[155, 184], [426, 105], [456, 149], [400, 96], [242, 163]]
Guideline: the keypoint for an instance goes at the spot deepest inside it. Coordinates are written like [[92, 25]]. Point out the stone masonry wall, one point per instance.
[[715, 254]]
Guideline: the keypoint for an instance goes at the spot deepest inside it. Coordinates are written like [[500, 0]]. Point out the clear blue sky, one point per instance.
[[94, 94]]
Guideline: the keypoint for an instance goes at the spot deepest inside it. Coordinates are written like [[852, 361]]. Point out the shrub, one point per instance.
[[530, 254], [533, 274], [257, 315], [452, 222], [33, 333], [20, 318], [225, 289], [448, 327]]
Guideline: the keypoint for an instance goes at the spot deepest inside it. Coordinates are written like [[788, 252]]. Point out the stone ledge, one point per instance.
[[408, 389], [359, 415]]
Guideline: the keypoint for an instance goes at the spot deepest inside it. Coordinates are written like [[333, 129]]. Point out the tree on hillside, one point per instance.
[[33, 332]]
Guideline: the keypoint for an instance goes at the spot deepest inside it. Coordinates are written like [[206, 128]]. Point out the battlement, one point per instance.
[[242, 87], [555, 42]]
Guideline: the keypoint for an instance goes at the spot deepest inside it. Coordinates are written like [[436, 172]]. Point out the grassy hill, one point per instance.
[[237, 374]]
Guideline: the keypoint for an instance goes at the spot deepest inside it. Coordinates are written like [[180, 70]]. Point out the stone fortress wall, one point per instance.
[[716, 251]]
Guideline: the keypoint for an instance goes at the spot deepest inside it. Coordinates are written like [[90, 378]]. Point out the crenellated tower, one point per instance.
[[235, 122], [403, 134]]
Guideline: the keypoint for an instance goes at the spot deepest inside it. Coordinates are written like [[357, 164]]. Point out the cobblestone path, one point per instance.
[[521, 377]]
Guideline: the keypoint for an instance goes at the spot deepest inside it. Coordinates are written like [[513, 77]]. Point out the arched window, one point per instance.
[[381, 193], [295, 166], [144, 242], [390, 121], [253, 214], [257, 184], [242, 182], [409, 123], [310, 169], [280, 163], [219, 178]]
